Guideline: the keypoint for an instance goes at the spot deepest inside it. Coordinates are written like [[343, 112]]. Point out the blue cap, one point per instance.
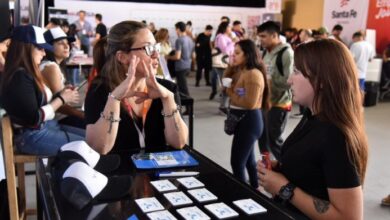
[[32, 35], [54, 34]]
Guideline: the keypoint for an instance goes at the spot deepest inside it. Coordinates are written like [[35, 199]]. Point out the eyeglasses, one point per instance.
[[149, 49]]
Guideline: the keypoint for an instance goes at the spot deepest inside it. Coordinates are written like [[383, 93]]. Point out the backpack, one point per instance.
[[279, 60]]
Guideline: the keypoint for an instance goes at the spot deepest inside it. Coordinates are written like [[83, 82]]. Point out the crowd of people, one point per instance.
[[317, 168]]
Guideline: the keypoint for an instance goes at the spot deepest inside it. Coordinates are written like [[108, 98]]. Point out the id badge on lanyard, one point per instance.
[[145, 109]]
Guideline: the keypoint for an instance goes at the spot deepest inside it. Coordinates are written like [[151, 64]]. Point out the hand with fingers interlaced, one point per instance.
[[70, 95], [126, 88], [271, 181]]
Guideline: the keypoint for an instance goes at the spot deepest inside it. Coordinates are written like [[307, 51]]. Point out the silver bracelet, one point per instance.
[[178, 108], [114, 97]]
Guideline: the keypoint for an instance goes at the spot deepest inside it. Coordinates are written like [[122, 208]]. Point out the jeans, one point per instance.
[[202, 65], [247, 132], [47, 140], [181, 80], [275, 123]]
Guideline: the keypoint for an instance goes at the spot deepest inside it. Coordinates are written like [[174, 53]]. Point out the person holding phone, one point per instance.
[[28, 101], [323, 162], [126, 106], [53, 72]]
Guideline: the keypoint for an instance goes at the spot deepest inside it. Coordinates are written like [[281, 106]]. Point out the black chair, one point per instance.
[[188, 102]]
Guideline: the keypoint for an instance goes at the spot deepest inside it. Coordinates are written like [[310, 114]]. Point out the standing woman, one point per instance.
[[28, 101], [225, 44], [248, 94], [323, 161], [162, 37], [53, 69], [126, 106]]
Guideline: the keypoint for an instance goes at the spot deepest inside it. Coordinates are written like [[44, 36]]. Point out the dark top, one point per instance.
[[22, 99], [314, 158], [127, 137], [101, 29], [202, 45]]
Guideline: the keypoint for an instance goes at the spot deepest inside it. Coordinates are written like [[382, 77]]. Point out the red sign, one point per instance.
[[379, 19]]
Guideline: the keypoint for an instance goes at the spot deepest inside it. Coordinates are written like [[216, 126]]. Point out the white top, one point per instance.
[[362, 52]]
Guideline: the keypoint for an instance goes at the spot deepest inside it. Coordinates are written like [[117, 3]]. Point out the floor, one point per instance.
[[210, 140]]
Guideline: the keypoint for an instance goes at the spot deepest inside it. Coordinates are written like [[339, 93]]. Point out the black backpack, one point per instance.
[[279, 60]]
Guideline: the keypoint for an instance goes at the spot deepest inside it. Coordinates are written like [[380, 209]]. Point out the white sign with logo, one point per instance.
[[351, 14]]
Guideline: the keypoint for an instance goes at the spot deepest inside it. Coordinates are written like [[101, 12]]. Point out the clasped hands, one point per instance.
[[127, 88], [270, 180]]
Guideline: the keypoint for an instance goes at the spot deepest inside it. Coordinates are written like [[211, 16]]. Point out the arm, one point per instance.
[[335, 209], [288, 65], [53, 77], [176, 131], [101, 134], [177, 54]]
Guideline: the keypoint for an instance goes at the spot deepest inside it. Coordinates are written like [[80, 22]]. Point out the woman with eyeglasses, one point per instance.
[[28, 101], [53, 69], [324, 160], [127, 107]]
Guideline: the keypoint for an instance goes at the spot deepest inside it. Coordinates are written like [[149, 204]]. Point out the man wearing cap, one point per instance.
[[84, 31], [27, 100]]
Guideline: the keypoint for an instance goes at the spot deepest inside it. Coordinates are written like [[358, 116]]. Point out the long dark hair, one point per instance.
[[222, 27], [19, 55], [121, 38], [99, 54], [253, 61], [337, 95]]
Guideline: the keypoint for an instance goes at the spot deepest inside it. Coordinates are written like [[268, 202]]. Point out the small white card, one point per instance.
[[161, 215], [192, 213], [221, 210], [165, 159], [202, 195], [190, 182], [249, 206], [177, 198], [163, 185], [149, 204]]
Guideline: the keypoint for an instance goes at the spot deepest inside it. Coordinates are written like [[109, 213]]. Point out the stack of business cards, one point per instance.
[[161, 215], [192, 213], [202, 195], [249, 206], [178, 198], [221, 210], [190, 182], [149, 204], [163, 185]]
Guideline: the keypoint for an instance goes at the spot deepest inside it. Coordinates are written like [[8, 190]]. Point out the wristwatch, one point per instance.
[[286, 192]]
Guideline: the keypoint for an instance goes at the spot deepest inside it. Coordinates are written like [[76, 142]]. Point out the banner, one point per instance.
[[351, 14], [379, 19]]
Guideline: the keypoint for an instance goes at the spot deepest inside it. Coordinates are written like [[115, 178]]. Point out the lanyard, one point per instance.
[[141, 134]]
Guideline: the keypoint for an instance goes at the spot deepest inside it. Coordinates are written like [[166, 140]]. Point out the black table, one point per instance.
[[216, 179]]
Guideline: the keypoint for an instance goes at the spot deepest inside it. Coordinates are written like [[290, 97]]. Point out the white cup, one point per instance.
[[227, 82]]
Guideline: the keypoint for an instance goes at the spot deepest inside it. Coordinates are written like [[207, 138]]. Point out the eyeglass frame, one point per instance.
[[156, 48]]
